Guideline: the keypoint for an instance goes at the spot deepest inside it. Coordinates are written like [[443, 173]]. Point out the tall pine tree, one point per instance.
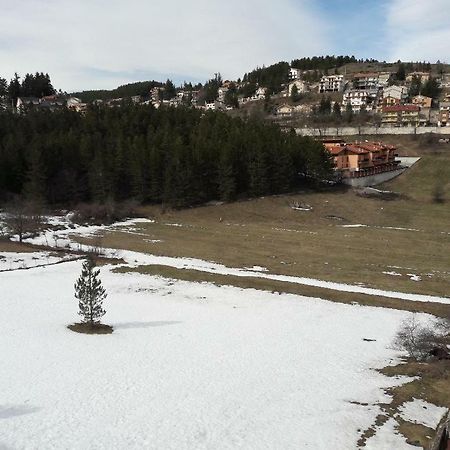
[[90, 293]]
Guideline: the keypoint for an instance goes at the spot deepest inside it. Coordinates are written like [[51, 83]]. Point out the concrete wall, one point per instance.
[[373, 180], [355, 131]]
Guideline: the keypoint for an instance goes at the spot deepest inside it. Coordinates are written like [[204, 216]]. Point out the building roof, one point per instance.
[[366, 75], [401, 108]]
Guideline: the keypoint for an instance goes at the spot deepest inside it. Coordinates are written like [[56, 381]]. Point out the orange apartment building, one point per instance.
[[360, 159]]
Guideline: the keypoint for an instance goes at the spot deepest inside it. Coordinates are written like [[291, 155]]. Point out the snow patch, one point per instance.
[[422, 412]]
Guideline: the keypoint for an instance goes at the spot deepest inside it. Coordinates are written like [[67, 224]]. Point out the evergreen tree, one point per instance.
[[401, 72], [348, 112], [295, 96], [90, 293], [416, 86], [337, 110], [14, 88], [325, 106], [431, 88], [3, 87], [169, 90]]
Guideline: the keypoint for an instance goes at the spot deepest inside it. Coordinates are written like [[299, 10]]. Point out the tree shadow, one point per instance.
[[128, 325], [8, 411]]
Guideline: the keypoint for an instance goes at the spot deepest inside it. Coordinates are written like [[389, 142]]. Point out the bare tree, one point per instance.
[[417, 339], [22, 218]]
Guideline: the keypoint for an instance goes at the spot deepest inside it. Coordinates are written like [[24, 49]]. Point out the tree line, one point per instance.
[[32, 85], [175, 156]]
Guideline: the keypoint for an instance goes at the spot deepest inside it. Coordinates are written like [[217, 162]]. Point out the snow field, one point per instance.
[[188, 366]]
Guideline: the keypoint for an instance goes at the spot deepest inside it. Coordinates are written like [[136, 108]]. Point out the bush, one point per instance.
[[418, 339], [104, 213]]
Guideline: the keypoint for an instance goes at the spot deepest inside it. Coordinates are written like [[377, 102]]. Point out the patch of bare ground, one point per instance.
[[15, 247], [89, 328], [432, 384]]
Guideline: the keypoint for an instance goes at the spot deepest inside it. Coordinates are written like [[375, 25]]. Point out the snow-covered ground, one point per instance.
[[189, 366], [14, 261]]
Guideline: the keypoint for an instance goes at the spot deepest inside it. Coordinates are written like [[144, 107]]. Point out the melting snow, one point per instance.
[[188, 366], [422, 412]]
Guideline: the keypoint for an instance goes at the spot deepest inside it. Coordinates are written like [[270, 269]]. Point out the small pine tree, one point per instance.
[[90, 293]]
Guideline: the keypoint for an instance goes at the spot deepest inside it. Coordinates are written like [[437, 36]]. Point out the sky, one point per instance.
[[95, 44]]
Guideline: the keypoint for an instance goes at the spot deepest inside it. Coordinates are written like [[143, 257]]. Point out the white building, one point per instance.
[[398, 92], [332, 83], [360, 99], [260, 93], [294, 74], [221, 94]]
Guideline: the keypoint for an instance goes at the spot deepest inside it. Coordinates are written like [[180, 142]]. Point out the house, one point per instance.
[[23, 103], [155, 94], [384, 78], [366, 81], [221, 92], [360, 159], [75, 104], [444, 114], [260, 93], [400, 115], [422, 101], [423, 76], [284, 110], [360, 99], [394, 92], [48, 103], [294, 74], [302, 87], [332, 83]]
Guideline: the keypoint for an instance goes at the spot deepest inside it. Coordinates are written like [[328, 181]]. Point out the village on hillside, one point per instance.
[[384, 95]]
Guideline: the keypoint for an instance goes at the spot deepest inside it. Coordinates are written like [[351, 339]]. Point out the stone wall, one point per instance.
[[355, 131]]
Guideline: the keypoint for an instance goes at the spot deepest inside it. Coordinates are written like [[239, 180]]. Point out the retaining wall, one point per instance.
[[355, 131]]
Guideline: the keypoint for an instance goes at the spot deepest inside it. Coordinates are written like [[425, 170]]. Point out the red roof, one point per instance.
[[400, 108]]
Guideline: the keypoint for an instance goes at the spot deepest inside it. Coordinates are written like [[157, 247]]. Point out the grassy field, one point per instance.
[[409, 236]]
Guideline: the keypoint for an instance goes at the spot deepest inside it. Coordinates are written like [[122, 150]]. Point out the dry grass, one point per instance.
[[267, 232], [15, 247], [87, 328]]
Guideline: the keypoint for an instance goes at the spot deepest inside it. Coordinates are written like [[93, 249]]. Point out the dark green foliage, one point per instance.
[[141, 88], [176, 156], [337, 110], [90, 293], [170, 90], [211, 88], [416, 86], [401, 72], [325, 106], [271, 77], [3, 87], [431, 88], [323, 63], [295, 95], [231, 96]]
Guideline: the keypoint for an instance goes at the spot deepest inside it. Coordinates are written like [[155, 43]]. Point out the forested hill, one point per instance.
[[141, 88], [179, 157]]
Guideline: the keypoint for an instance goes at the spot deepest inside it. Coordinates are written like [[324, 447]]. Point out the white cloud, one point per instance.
[[418, 30], [100, 43]]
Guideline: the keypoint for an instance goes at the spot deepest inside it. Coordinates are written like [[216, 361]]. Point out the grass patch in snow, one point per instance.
[[432, 384], [88, 328]]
